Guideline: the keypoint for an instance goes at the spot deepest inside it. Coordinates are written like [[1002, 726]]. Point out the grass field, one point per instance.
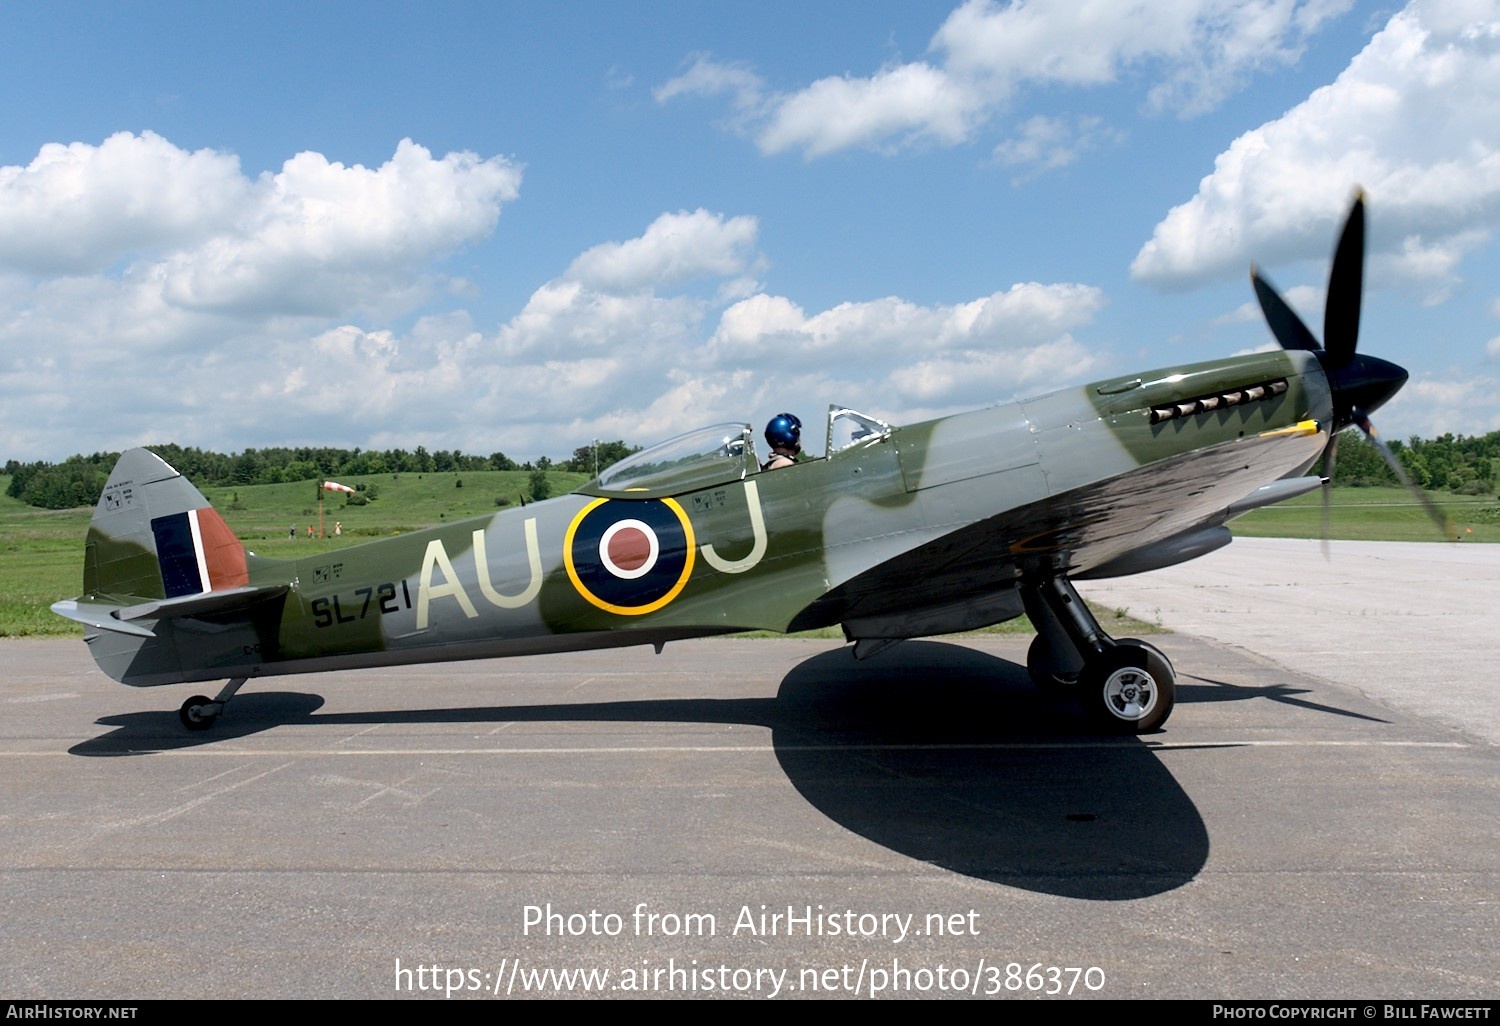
[[41, 551], [1374, 514], [41, 561]]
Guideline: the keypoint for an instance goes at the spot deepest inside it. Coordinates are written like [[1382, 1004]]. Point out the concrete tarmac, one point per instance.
[[756, 818], [1411, 624]]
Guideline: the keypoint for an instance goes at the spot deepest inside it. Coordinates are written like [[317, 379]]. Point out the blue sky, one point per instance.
[[518, 227]]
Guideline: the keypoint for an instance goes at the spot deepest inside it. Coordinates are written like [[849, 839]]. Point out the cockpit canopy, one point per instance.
[[698, 459], [849, 428], [717, 455]]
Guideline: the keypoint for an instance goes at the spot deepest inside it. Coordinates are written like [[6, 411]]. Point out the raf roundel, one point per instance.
[[629, 556]]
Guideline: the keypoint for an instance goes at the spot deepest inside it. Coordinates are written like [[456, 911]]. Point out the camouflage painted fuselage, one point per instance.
[[919, 530]]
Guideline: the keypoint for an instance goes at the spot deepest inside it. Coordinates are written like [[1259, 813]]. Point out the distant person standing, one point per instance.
[[292, 532]]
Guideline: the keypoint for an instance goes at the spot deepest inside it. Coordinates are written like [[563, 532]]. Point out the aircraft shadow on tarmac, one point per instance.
[[936, 751], [951, 756], [1286, 694]]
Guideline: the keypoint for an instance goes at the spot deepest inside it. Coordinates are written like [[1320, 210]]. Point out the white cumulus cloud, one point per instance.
[[1189, 55], [260, 325], [148, 291], [675, 248], [320, 236], [190, 232], [1415, 119], [79, 208], [1438, 404], [910, 359], [911, 101]]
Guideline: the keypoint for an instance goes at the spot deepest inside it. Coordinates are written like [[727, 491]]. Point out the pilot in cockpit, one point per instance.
[[784, 436]]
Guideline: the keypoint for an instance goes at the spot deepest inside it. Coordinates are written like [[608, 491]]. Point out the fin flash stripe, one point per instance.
[[197, 552]]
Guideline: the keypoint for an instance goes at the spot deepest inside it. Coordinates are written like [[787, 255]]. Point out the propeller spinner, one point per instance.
[[1359, 383]]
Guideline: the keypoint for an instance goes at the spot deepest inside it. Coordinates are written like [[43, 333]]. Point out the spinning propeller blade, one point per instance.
[[1330, 461], [1358, 383], [1345, 285], [1440, 518], [1282, 319]]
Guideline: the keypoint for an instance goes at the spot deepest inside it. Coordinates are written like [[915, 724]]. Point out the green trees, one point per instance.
[[77, 481], [1446, 463], [595, 457], [538, 487]]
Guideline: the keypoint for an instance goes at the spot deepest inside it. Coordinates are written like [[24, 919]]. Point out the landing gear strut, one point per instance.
[[200, 713], [1126, 685]]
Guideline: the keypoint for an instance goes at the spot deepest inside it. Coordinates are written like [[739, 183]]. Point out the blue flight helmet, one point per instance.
[[785, 432]]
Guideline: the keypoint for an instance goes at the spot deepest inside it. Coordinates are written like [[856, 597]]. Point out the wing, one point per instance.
[[1156, 515]]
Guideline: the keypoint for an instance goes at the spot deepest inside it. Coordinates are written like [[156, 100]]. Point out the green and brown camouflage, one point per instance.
[[896, 532], [886, 527]]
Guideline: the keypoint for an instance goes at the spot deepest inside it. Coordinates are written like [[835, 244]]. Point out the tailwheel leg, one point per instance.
[[200, 712], [1127, 685]]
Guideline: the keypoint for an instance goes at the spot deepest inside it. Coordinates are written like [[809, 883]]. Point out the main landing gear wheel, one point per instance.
[[1156, 660], [1126, 692], [199, 712]]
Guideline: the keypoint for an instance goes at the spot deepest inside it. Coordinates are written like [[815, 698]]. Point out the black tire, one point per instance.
[[1125, 692], [195, 713], [1156, 660]]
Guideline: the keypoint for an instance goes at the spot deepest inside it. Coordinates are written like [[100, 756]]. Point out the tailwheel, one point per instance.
[[1130, 688], [199, 712]]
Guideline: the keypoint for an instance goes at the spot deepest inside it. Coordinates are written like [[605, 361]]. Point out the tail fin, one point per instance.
[[166, 584], [154, 536]]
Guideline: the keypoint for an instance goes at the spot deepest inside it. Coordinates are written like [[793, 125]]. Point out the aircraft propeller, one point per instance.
[[1359, 383]]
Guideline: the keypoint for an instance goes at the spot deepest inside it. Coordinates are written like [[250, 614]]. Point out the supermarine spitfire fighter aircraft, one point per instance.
[[898, 532]]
